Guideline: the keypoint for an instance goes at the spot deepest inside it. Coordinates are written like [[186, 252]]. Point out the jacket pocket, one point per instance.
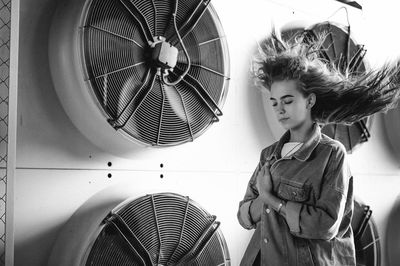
[[293, 191]]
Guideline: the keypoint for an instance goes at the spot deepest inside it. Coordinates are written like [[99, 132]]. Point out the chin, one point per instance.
[[286, 126]]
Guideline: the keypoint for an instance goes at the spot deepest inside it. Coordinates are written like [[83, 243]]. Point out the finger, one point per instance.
[[265, 167], [260, 169]]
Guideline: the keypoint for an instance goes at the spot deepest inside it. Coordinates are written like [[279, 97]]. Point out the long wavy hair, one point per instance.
[[341, 97]]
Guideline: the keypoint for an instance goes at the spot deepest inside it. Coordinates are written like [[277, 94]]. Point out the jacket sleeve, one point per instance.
[[322, 220], [244, 215]]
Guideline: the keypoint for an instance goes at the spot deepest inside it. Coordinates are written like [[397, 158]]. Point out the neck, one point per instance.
[[301, 133]]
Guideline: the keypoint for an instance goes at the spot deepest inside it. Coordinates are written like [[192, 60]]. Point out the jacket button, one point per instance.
[[294, 193], [267, 210], [265, 240]]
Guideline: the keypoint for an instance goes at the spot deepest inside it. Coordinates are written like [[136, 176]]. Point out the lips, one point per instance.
[[283, 119]]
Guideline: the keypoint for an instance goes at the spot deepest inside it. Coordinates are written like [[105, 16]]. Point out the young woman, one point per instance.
[[300, 198]]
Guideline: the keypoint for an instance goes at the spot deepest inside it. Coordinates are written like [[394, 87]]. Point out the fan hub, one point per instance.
[[164, 54]]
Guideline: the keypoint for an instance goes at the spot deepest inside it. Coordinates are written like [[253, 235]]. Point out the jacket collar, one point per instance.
[[306, 149]]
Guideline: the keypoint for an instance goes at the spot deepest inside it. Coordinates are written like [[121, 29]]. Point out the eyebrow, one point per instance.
[[283, 97]]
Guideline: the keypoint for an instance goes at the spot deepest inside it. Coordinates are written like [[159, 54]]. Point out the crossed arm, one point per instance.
[[320, 220], [266, 196]]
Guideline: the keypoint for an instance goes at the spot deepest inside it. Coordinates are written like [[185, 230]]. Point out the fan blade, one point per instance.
[[199, 117], [174, 118], [103, 45], [186, 114], [173, 255], [190, 22], [212, 71], [112, 242], [148, 11], [134, 103], [140, 18], [163, 20], [207, 56], [115, 34], [116, 89], [157, 227], [202, 93], [114, 18], [201, 243], [210, 81], [134, 243]]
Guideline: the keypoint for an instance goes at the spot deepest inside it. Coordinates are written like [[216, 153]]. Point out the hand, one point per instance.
[[264, 181]]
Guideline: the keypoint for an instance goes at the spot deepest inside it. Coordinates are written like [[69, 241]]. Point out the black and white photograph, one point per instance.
[[199, 133]]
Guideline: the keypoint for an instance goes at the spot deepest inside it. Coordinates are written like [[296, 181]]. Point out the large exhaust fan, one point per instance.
[[155, 71], [342, 51], [366, 236], [156, 229]]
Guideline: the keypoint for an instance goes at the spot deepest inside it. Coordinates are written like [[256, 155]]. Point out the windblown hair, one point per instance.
[[340, 97]]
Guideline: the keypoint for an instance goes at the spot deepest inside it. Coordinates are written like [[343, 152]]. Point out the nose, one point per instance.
[[280, 109]]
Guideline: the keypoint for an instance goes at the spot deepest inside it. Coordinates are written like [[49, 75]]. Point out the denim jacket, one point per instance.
[[317, 186]]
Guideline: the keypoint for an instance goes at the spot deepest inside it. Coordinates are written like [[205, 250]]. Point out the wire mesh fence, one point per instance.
[[5, 27]]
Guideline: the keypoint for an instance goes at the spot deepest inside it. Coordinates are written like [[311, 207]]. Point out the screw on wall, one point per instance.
[[161, 166], [109, 164]]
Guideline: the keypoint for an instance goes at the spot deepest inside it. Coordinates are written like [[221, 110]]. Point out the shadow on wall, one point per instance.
[[392, 129], [35, 256], [37, 85], [393, 235], [255, 108], [73, 237]]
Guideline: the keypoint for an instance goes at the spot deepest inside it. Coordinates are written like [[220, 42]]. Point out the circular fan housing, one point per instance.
[[139, 71], [340, 49], [392, 233], [366, 238], [392, 128], [156, 229]]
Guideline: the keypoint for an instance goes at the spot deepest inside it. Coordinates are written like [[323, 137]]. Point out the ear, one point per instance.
[[311, 99]]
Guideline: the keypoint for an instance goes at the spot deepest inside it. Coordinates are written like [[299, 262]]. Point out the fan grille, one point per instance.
[[159, 229], [127, 84], [341, 50], [366, 237]]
